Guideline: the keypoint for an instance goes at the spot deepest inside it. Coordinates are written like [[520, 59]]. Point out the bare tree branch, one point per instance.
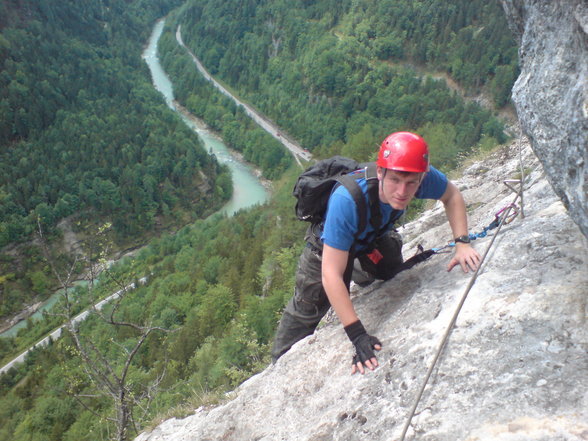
[[100, 370]]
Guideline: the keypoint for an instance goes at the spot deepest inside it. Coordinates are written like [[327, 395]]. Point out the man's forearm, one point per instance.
[[455, 209], [340, 300], [333, 270]]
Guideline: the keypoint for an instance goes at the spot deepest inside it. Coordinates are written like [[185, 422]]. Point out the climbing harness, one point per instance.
[[504, 216]]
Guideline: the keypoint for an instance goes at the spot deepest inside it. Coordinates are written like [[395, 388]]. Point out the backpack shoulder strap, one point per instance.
[[374, 201], [350, 183], [374, 196]]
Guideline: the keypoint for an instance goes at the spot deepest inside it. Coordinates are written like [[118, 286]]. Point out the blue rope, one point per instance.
[[484, 232]]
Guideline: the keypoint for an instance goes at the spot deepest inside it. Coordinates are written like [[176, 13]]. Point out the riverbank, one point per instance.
[[8, 323], [260, 119], [266, 183]]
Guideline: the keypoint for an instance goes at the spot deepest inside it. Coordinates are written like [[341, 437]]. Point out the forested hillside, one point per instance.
[[337, 75], [217, 284], [340, 75], [83, 132], [81, 126]]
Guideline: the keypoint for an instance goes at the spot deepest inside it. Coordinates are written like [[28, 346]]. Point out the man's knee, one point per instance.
[[306, 308], [290, 330], [391, 246], [298, 321]]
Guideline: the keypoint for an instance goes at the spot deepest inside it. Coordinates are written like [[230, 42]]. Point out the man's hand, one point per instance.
[[364, 347], [465, 256]]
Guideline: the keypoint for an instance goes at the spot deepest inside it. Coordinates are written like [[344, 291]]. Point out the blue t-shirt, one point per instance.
[[342, 220]]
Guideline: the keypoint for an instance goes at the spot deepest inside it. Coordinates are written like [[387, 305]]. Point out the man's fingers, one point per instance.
[[473, 264], [451, 264], [371, 364], [364, 355], [477, 259], [465, 264], [473, 261], [467, 259]]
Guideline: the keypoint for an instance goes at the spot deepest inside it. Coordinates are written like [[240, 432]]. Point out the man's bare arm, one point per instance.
[[455, 209]]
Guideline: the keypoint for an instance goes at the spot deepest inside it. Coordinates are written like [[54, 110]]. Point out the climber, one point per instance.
[[325, 267]]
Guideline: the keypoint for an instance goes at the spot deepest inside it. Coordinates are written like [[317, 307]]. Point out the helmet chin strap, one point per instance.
[[383, 176], [382, 180]]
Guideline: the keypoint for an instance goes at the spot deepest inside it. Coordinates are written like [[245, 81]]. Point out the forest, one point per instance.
[[336, 76], [327, 73], [84, 135]]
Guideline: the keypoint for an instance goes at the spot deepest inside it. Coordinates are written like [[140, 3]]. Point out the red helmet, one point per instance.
[[404, 151]]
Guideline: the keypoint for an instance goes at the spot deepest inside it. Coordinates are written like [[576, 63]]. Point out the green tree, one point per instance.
[[217, 309]]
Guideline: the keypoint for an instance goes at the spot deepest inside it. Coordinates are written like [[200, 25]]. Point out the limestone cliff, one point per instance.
[[551, 93], [515, 367]]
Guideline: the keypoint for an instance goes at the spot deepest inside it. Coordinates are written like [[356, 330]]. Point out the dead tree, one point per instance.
[[109, 379]]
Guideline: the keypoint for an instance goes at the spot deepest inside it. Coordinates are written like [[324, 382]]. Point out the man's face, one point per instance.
[[398, 188]]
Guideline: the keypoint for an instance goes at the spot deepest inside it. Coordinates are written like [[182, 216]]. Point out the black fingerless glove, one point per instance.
[[364, 343]]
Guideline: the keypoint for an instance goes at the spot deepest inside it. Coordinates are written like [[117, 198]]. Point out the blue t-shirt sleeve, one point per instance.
[[433, 186], [341, 222]]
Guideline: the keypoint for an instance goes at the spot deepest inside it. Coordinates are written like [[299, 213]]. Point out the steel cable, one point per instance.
[[504, 217]]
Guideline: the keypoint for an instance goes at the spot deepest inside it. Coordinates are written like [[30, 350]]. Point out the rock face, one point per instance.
[[514, 368], [551, 93]]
